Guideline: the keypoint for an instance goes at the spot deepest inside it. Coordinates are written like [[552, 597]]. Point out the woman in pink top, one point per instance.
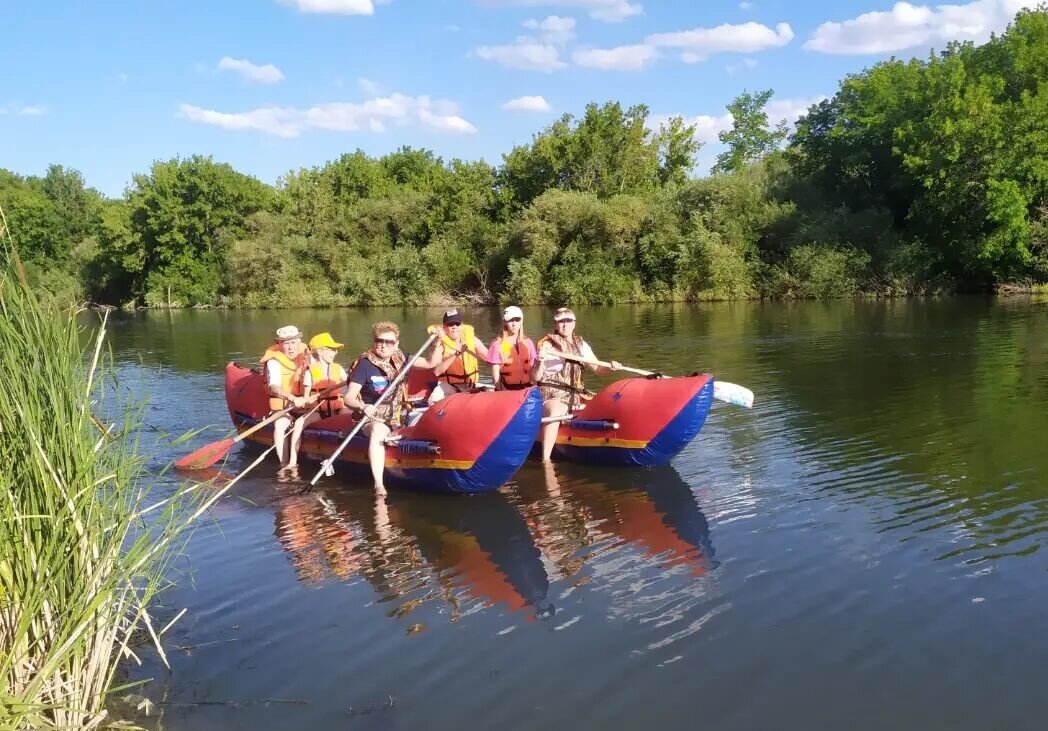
[[512, 353]]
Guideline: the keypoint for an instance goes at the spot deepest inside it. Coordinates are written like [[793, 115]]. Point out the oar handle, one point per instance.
[[595, 362], [722, 391], [283, 412], [390, 389]]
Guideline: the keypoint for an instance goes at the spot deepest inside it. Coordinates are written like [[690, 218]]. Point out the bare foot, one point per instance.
[[380, 489]]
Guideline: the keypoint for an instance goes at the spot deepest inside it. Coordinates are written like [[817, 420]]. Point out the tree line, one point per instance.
[[916, 177]]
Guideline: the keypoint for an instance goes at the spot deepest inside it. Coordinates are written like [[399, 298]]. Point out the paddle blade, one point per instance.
[[205, 456], [733, 394]]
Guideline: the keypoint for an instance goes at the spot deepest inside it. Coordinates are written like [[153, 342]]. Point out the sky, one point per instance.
[[276, 85]]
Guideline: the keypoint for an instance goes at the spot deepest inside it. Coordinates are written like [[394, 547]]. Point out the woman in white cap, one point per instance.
[[286, 363], [512, 353], [560, 381]]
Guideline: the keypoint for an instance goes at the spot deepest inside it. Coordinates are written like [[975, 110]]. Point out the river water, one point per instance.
[[862, 549]]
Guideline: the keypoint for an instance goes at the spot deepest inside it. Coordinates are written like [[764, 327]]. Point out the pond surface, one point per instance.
[[863, 549]]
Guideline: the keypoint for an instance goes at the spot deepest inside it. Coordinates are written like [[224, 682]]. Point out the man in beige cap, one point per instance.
[[286, 365]]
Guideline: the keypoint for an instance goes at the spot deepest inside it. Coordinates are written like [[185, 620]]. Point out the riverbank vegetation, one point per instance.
[[915, 177], [81, 554]]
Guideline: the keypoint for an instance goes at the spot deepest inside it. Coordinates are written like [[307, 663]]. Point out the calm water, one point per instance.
[[863, 549]]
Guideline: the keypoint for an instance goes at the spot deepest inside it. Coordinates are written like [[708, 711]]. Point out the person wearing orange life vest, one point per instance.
[[455, 356], [559, 380], [323, 372], [286, 363], [512, 353]]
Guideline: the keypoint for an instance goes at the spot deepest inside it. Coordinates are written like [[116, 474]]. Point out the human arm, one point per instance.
[[354, 401], [480, 350], [587, 352], [275, 385], [444, 357]]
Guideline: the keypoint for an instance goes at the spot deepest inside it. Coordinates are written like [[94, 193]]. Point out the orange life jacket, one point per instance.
[[324, 377], [517, 360], [464, 368], [291, 373]]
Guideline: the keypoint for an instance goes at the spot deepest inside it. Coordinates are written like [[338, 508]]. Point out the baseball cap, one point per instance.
[[563, 314], [324, 340], [512, 311], [452, 316]]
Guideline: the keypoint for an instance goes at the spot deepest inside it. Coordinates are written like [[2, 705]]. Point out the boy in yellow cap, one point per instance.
[[323, 373]]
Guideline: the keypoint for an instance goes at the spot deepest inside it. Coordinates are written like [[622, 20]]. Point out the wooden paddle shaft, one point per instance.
[[592, 361], [277, 414]]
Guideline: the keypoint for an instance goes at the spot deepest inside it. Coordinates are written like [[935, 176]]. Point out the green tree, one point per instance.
[[749, 138], [184, 214]]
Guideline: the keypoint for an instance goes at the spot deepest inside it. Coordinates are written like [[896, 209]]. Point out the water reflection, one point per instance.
[[466, 554], [500, 550], [579, 512]]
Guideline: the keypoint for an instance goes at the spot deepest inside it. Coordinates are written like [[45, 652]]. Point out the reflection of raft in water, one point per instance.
[[481, 547], [652, 510], [637, 421], [468, 443]]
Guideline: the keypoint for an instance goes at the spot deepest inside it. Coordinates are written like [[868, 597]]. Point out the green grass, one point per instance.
[[79, 564]]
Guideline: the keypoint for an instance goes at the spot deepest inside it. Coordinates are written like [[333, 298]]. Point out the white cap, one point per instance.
[[288, 332], [512, 311], [563, 314]]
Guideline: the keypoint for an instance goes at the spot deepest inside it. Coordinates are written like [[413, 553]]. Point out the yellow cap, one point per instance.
[[324, 340]]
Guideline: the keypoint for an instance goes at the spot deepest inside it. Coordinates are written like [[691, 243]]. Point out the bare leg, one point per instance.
[[553, 407], [377, 431], [296, 436], [280, 427]]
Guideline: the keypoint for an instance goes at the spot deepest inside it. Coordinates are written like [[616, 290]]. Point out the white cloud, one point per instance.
[[789, 109], [745, 6], [701, 43], [609, 11], [527, 104], [524, 53], [368, 86], [337, 7], [32, 111], [374, 115], [910, 26], [554, 29], [268, 74], [622, 58], [707, 126]]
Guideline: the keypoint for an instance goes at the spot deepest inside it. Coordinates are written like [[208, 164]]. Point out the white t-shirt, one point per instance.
[[554, 365]]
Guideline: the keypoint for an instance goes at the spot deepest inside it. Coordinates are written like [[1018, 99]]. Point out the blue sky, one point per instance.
[[274, 85]]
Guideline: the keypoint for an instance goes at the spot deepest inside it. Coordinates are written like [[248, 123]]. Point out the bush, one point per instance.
[[819, 271]]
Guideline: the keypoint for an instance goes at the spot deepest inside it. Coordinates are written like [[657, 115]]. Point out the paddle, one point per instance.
[[326, 468], [210, 453], [722, 391]]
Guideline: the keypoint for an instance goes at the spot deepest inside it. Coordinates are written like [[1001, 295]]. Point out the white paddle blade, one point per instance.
[[733, 394]]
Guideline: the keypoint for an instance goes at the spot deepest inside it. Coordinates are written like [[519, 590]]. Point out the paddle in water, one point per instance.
[[722, 391], [207, 455]]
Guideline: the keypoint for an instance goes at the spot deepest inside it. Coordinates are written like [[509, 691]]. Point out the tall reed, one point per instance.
[[78, 563]]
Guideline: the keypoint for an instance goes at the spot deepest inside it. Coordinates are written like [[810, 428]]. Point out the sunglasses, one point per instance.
[[454, 324], [384, 341], [565, 322], [514, 319]]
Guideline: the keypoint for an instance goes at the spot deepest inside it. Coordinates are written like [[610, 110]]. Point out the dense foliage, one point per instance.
[[915, 177]]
